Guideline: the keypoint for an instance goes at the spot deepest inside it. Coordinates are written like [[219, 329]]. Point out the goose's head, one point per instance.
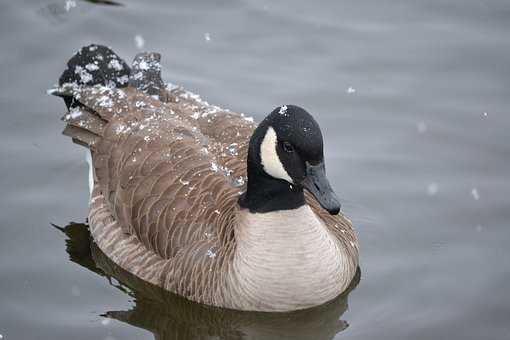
[[286, 156]]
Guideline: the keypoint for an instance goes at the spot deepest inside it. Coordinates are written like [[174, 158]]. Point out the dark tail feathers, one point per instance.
[[95, 65]]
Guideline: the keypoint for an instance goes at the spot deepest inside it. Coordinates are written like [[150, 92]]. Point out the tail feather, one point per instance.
[[84, 119], [83, 126], [88, 87], [81, 136], [95, 65]]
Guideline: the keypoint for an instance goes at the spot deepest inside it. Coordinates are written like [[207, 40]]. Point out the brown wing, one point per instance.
[[158, 172]]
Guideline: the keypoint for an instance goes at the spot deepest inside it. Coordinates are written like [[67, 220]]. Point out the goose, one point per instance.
[[201, 201]]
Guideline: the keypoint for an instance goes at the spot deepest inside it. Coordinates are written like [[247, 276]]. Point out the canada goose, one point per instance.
[[183, 198]]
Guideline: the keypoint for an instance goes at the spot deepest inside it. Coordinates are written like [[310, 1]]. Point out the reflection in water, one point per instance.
[[105, 2], [169, 316], [58, 12]]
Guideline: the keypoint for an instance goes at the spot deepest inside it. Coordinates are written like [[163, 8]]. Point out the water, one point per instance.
[[413, 100]]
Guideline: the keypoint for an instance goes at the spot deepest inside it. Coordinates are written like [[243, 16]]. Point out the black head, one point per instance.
[[286, 155]]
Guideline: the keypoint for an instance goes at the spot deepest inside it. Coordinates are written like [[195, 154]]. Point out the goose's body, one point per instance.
[[172, 202]]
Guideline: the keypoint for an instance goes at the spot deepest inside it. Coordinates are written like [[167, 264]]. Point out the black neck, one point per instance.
[[265, 194]]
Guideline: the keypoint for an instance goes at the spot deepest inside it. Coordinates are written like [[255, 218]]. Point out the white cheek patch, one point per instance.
[[269, 158]]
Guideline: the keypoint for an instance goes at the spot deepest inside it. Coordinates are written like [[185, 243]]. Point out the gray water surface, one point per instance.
[[413, 100]]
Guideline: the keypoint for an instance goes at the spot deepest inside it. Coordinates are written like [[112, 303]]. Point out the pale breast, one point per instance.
[[286, 260]]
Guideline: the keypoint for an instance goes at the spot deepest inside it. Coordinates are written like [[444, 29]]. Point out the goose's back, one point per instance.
[[163, 179]]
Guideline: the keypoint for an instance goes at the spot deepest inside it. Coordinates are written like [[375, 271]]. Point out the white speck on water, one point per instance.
[[69, 4], [210, 254], [1, 336], [207, 36], [350, 90], [475, 194], [432, 189], [139, 41], [75, 291], [422, 127], [485, 114], [283, 110], [105, 322]]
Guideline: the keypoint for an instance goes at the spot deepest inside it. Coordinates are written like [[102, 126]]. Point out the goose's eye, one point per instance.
[[288, 147]]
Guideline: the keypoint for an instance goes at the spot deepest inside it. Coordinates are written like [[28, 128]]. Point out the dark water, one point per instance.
[[413, 98]]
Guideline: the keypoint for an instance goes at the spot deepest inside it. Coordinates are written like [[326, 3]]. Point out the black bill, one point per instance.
[[318, 185]]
